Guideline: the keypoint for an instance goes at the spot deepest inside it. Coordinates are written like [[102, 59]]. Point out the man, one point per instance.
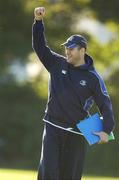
[[74, 84]]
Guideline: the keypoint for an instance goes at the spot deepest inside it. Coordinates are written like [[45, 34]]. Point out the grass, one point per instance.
[[99, 178], [6, 174]]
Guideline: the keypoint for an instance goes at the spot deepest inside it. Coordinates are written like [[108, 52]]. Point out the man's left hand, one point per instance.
[[103, 137]]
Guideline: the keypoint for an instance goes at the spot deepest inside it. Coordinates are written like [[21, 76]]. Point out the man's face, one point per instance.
[[73, 55]]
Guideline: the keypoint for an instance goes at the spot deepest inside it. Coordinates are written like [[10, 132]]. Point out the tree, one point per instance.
[[104, 10]]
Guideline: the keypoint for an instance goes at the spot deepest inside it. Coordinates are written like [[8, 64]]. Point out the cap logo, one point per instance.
[[71, 38], [83, 41]]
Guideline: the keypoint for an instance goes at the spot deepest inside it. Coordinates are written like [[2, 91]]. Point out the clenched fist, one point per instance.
[[39, 13]]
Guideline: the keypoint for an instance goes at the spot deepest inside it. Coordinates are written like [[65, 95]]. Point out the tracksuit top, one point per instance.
[[72, 90]]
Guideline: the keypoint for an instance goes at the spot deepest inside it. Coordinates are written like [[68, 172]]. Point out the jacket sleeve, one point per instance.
[[47, 57], [104, 104]]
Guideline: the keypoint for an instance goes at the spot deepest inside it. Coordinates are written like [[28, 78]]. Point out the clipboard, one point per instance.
[[90, 125]]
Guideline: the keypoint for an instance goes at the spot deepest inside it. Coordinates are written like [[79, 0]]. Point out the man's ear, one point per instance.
[[83, 50]]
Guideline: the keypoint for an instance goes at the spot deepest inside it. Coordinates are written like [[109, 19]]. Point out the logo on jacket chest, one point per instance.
[[83, 82], [64, 71]]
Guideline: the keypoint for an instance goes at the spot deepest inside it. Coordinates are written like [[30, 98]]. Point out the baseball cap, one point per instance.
[[74, 41]]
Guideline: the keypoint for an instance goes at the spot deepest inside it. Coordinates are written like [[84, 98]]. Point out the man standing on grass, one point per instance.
[[74, 85]]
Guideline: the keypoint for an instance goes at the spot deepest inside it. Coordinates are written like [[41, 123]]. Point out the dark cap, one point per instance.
[[74, 41]]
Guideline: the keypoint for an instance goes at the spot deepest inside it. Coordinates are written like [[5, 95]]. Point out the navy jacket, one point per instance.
[[72, 90]]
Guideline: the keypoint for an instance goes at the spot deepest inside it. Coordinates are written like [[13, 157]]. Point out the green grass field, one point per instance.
[[6, 174]]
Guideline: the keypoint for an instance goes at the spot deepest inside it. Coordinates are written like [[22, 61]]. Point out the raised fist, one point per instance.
[[39, 13]]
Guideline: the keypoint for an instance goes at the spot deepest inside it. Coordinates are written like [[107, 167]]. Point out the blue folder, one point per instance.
[[90, 125]]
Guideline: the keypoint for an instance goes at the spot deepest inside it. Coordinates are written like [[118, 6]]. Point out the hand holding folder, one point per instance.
[[90, 125]]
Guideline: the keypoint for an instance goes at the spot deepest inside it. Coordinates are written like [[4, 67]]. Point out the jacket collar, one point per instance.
[[88, 64]]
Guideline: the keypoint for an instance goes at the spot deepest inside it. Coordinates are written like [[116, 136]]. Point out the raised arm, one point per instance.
[[47, 57]]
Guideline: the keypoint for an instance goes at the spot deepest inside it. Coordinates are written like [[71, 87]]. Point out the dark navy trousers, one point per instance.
[[62, 156]]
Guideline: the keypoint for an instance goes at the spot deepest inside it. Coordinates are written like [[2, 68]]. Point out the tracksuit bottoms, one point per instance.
[[62, 156]]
